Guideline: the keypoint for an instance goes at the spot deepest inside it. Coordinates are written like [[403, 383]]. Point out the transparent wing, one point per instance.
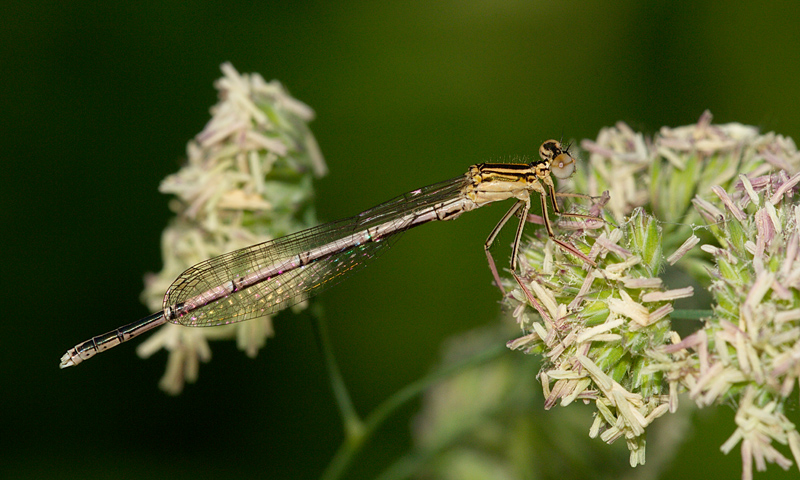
[[297, 284]]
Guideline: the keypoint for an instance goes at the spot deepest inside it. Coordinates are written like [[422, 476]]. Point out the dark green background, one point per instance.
[[98, 101]]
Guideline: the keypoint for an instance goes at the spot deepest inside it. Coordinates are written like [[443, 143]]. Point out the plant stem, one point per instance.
[[353, 444], [353, 425], [691, 314]]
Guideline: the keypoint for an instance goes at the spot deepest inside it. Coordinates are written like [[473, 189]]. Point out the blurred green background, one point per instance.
[[99, 100]]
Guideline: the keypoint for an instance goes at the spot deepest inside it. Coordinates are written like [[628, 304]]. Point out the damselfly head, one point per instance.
[[562, 164]]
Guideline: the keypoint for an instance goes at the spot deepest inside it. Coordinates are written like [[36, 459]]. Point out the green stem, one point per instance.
[[352, 445], [353, 426], [691, 314]]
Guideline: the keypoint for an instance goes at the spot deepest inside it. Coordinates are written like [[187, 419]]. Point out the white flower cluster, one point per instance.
[[248, 179]]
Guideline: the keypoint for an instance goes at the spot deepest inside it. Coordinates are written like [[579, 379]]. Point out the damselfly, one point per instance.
[[265, 278]]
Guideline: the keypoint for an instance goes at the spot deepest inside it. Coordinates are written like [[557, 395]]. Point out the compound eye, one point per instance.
[[563, 166], [550, 150]]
